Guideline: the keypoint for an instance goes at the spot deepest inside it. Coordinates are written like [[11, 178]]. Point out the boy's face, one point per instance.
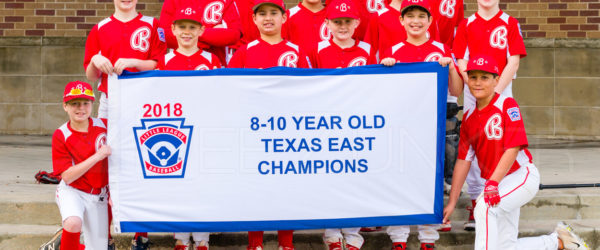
[[125, 5], [187, 32], [415, 22], [488, 4], [269, 19], [312, 1], [79, 110], [342, 28], [481, 83]]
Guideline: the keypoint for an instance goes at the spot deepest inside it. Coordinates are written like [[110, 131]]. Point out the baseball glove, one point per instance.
[[47, 178]]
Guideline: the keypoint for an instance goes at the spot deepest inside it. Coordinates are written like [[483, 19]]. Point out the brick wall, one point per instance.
[[73, 18]]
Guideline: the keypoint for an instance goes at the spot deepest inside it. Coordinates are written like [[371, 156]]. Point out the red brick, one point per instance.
[[85, 26], [555, 6], [569, 27], [530, 27], [536, 34], [510, 1], [594, 6], [75, 19], [529, 1], [25, 1], [575, 34], [590, 1], [549, 1], [593, 19], [14, 19], [588, 26], [588, 13], [104, 1], [44, 26], [34, 32], [568, 13], [568, 1], [556, 20], [7, 25], [86, 12], [45, 12], [7, 0], [522, 19], [1, 32], [14, 5], [140, 6]]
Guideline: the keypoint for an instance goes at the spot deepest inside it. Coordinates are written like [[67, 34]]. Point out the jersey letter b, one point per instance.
[[493, 128], [498, 38], [140, 39]]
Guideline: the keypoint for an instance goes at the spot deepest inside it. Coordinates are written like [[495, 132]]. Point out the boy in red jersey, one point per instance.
[[494, 133], [418, 47], [79, 154], [342, 50], [187, 27], [220, 20], [492, 32], [127, 40], [270, 50], [305, 25]]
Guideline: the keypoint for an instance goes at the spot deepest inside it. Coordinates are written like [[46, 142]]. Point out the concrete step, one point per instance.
[[34, 204], [31, 236]]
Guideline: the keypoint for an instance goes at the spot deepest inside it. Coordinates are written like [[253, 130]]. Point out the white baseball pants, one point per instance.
[[198, 237], [103, 106], [91, 209], [351, 236], [427, 233]]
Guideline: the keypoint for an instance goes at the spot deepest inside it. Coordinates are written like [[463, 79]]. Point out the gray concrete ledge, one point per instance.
[[562, 43]]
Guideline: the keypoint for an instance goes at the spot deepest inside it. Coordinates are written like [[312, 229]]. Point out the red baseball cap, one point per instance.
[[483, 63], [78, 89], [278, 3], [420, 3], [341, 8], [188, 13]]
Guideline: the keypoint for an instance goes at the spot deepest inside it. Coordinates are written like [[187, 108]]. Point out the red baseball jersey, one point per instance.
[[140, 38], [305, 28], [430, 51], [70, 147], [330, 55], [214, 12], [366, 8], [259, 54], [385, 30], [249, 30], [489, 132], [201, 60], [448, 14], [499, 37]]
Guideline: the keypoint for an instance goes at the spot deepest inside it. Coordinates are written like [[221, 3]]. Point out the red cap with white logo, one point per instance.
[[278, 3], [78, 89], [483, 63], [342, 8], [420, 3], [188, 13]]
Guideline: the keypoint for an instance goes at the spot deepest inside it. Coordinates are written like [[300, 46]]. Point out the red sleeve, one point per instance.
[[158, 46], [434, 32], [364, 16], [238, 60], [459, 46], [92, 47], [161, 64], [231, 34], [372, 33], [285, 28], [387, 53], [313, 56], [166, 20], [516, 46], [61, 158], [514, 128], [216, 62], [463, 142], [371, 60]]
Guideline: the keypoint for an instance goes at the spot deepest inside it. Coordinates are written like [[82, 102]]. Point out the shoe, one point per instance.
[[351, 247], [285, 248], [445, 228], [370, 229], [140, 243], [111, 244], [335, 246], [202, 248], [202, 245], [570, 240], [470, 224], [399, 246], [254, 248], [181, 247], [427, 246], [54, 242]]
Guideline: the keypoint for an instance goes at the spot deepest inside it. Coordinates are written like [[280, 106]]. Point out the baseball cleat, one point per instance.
[[427, 246], [254, 248], [140, 243], [571, 241], [351, 247], [202, 245], [181, 247], [470, 224], [335, 246], [54, 242], [445, 227], [285, 248], [370, 229], [399, 246]]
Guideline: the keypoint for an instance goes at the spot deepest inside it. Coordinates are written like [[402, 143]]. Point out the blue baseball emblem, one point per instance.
[[514, 114], [161, 35], [163, 146]]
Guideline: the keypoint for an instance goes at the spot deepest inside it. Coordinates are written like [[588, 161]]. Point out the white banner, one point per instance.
[[247, 150]]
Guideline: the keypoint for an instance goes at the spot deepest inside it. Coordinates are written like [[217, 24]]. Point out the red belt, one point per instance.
[[91, 190]]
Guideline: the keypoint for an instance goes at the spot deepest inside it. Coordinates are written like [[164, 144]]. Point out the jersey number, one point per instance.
[[498, 38], [140, 39], [493, 128]]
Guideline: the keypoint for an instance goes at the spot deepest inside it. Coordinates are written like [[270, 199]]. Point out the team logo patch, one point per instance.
[[514, 114], [163, 146], [161, 34]]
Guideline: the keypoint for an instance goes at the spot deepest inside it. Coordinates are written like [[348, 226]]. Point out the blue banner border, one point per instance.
[[236, 226]]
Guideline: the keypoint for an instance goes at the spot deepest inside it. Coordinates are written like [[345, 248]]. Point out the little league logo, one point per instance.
[[163, 146]]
